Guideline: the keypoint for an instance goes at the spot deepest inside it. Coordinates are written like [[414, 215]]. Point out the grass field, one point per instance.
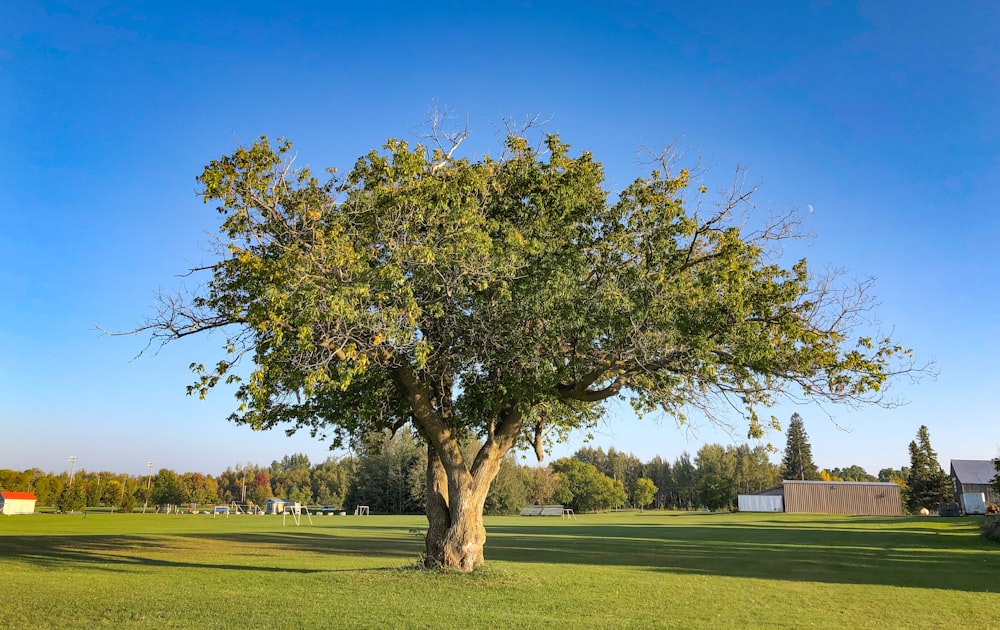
[[628, 570]]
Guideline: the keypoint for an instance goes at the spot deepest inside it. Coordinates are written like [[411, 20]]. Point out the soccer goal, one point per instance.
[[296, 510]]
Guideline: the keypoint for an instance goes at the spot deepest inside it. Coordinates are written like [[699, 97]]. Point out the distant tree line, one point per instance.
[[387, 473]]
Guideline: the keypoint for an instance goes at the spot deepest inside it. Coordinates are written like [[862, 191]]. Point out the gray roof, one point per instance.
[[974, 471]]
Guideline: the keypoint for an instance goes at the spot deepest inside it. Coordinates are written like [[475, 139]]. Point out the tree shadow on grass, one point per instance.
[[240, 550], [895, 552], [812, 551], [373, 544]]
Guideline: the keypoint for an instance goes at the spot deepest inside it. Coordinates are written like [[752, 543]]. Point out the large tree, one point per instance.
[[797, 462], [585, 488], [504, 299], [928, 484], [716, 477]]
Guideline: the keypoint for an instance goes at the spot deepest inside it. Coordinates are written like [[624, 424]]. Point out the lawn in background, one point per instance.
[[632, 570]]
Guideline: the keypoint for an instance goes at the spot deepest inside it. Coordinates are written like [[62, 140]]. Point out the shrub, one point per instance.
[[991, 528]]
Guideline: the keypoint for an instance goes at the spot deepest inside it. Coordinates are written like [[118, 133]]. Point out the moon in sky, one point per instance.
[[810, 206]]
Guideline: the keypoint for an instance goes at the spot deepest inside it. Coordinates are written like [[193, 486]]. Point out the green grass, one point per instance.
[[599, 571]]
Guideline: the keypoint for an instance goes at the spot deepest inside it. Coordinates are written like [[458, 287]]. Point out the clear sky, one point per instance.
[[879, 119]]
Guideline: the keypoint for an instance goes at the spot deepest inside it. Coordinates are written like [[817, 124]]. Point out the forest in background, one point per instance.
[[387, 473]]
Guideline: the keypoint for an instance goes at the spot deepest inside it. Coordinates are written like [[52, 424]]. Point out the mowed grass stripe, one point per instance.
[[614, 570]]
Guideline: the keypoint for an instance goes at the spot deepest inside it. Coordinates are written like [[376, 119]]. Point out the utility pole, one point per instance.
[[149, 482], [72, 468]]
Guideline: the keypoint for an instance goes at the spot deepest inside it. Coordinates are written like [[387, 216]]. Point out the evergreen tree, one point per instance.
[[71, 499], [387, 465], [797, 462], [928, 484]]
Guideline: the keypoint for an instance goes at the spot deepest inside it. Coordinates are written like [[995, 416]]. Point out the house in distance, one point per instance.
[[972, 482]]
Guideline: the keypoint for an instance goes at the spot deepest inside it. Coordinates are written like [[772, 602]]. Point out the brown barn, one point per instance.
[[859, 498]]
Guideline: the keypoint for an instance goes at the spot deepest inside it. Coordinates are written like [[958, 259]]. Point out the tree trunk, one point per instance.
[[438, 516], [465, 538], [456, 491], [455, 500]]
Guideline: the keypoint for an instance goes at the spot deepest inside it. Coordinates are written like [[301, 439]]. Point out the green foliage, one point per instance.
[[892, 474], [685, 476], [291, 478], [643, 490], [658, 471], [724, 472], [12, 481], [507, 276], [541, 484], [382, 478], [797, 462], [47, 488], [754, 470], [199, 488], [509, 492], [852, 473], [716, 477], [71, 499], [113, 494], [330, 481], [623, 467], [167, 489], [928, 485], [128, 502], [990, 528], [586, 489]]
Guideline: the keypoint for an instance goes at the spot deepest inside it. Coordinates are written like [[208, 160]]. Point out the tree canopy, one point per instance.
[[505, 299]]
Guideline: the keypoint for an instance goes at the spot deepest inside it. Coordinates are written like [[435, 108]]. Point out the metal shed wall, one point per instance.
[[843, 497], [759, 503]]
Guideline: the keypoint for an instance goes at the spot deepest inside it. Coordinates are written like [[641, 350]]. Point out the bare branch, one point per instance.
[[446, 141]]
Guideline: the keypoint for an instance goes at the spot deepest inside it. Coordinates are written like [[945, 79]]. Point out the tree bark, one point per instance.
[[455, 500], [456, 534], [466, 537], [438, 516]]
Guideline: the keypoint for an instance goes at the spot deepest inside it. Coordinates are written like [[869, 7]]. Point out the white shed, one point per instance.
[[17, 503], [276, 506], [760, 503]]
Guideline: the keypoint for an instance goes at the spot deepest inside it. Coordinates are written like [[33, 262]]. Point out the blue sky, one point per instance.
[[880, 116]]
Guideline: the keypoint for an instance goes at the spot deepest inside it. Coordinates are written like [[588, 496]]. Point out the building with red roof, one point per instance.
[[17, 503]]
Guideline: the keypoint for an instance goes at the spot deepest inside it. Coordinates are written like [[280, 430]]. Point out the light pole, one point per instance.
[[149, 482], [72, 468]]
